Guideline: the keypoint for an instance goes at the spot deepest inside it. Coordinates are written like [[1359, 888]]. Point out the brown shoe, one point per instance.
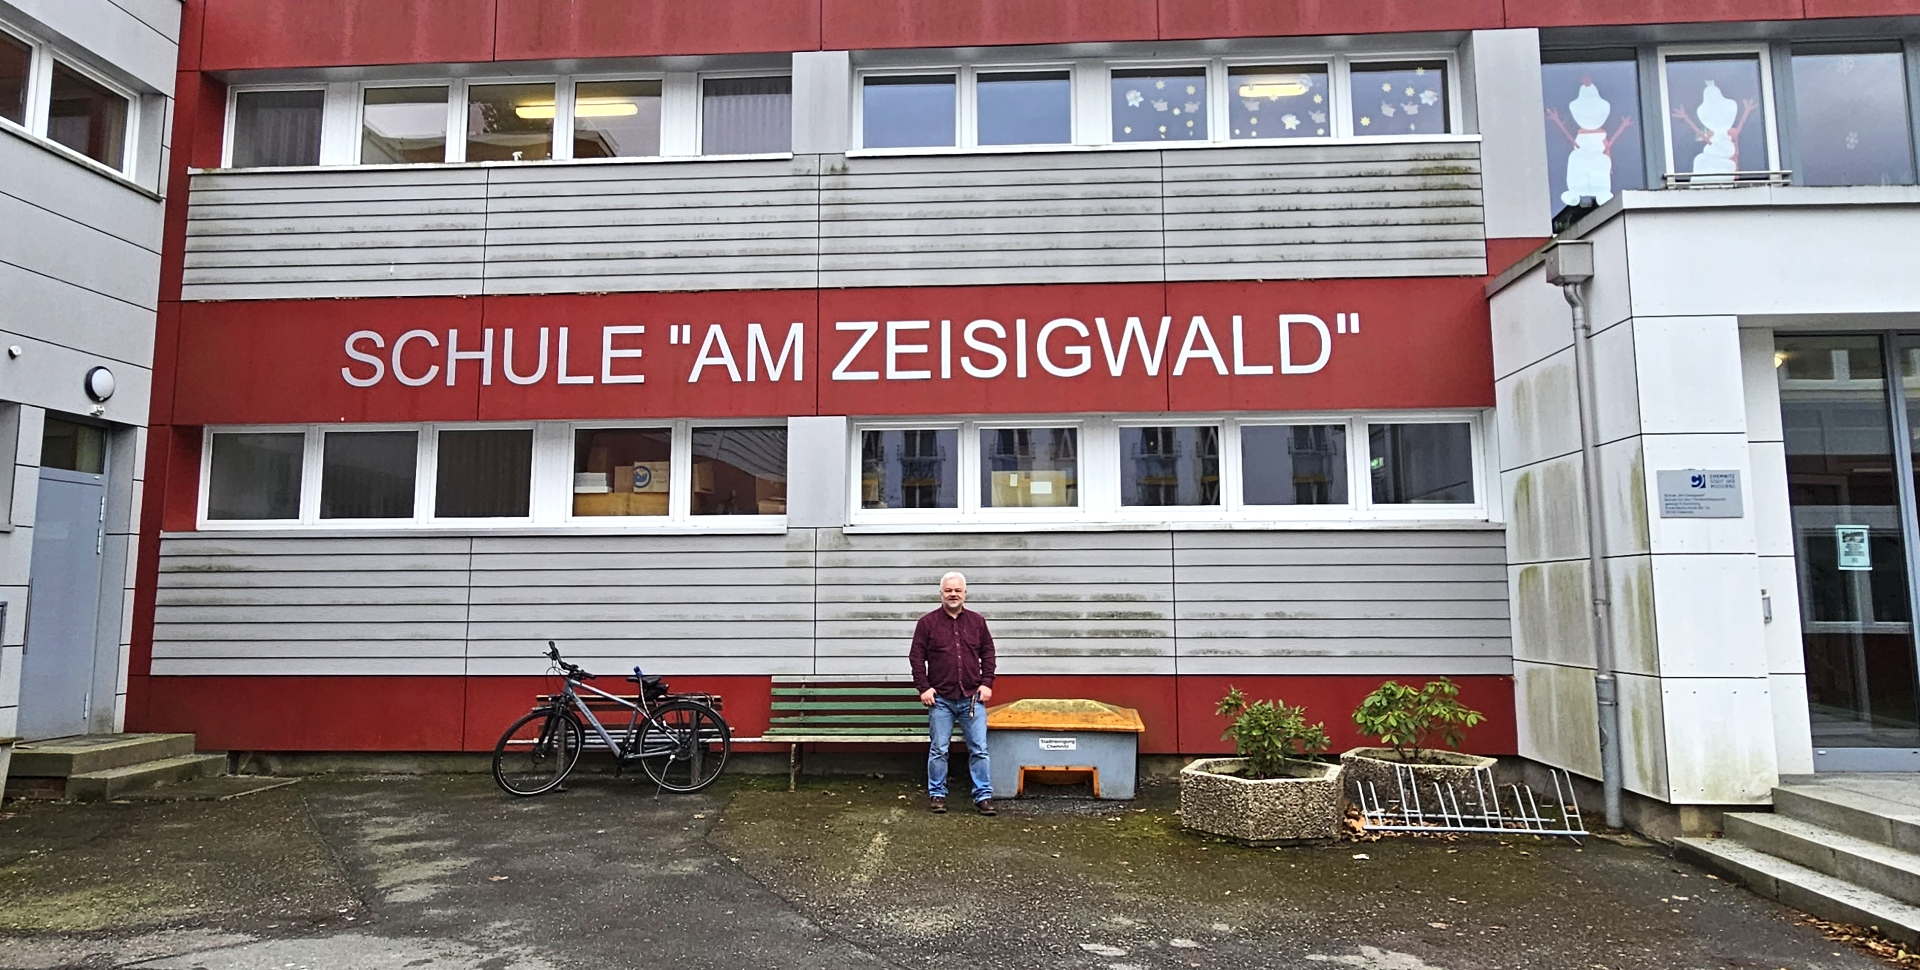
[[937, 806], [985, 806]]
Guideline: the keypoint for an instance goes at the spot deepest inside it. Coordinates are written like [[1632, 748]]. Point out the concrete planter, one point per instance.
[[1269, 811], [1377, 765]]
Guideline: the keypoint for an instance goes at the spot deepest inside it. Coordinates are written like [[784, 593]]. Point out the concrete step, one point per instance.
[[94, 786], [1863, 816], [83, 754], [1870, 865], [1801, 888]]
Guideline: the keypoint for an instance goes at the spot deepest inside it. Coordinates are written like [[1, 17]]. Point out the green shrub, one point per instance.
[[1407, 720], [1269, 733]]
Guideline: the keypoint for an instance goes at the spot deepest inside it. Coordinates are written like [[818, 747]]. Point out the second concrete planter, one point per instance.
[[1376, 765]]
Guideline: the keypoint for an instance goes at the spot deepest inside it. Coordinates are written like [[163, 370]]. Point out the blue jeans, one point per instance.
[[972, 716]]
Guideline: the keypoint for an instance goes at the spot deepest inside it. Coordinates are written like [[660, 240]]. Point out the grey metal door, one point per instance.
[[63, 604]]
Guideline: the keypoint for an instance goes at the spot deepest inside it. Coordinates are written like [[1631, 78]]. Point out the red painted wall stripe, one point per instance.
[[258, 34], [1419, 343], [355, 713]]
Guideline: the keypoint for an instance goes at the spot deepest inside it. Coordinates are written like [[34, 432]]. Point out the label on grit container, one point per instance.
[[1059, 744]]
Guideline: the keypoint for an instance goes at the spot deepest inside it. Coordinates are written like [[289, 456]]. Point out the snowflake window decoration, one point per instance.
[[1290, 121], [1134, 98], [1365, 121], [1429, 98], [1159, 106], [1412, 108], [1319, 117], [1387, 110], [1193, 107], [1160, 84]]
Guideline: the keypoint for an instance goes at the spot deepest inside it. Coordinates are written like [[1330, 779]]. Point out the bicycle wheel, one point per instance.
[[537, 752], [684, 745]]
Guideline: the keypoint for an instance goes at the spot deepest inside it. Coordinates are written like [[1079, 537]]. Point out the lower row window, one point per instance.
[[1412, 463], [489, 473]]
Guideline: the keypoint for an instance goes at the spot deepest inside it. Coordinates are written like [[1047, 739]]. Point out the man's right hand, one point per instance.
[[926, 697]]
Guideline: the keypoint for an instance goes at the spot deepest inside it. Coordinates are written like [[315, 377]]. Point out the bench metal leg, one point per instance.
[[793, 767]]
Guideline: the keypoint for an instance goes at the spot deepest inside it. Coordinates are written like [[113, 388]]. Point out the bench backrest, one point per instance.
[[843, 709]]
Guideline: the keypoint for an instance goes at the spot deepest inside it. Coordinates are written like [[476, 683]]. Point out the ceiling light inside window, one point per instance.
[[1275, 86], [584, 108]]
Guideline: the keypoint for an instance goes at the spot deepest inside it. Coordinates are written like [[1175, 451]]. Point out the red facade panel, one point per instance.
[[1202, 19], [1580, 13], [865, 24], [245, 34], [530, 29], [1331, 344], [307, 713], [1332, 699], [283, 362]]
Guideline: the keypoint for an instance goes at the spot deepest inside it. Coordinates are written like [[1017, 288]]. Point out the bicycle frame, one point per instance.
[[570, 698]]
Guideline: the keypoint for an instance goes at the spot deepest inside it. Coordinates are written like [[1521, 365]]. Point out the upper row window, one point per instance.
[[1817, 114], [512, 121], [1209, 102], [57, 100]]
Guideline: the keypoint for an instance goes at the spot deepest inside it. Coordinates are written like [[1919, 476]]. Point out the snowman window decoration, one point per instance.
[[1590, 164], [1718, 129]]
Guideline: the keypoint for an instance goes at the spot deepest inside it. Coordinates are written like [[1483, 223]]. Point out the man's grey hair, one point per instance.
[[962, 577]]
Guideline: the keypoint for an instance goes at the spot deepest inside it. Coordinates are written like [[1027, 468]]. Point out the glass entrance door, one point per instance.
[[1850, 479]]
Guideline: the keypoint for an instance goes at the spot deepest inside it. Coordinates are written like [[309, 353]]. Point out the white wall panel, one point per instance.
[[830, 220]]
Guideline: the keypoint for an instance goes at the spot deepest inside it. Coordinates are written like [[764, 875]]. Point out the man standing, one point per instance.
[[952, 658]]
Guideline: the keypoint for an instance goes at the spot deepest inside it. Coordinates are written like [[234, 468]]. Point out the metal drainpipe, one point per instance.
[[1605, 687]]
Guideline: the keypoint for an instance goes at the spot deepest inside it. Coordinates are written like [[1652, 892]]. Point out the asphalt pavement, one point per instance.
[[444, 871]]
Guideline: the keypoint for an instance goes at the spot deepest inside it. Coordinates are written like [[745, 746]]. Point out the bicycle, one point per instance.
[[681, 743]]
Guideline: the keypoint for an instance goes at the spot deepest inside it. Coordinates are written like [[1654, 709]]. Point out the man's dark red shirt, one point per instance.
[[952, 654]]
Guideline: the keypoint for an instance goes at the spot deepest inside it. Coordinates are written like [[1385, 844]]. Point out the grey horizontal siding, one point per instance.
[[1271, 212], [1403, 602]]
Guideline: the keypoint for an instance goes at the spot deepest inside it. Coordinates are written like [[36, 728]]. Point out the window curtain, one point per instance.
[[277, 128], [746, 115]]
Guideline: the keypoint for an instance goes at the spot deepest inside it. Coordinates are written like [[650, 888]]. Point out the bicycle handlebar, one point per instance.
[[571, 670]]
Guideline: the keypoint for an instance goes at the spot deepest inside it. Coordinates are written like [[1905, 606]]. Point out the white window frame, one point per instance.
[[1099, 481], [679, 517], [1337, 98], [559, 83], [1768, 102], [966, 110], [564, 107], [41, 58], [1456, 116], [425, 481], [456, 122], [233, 117], [699, 114], [1210, 81]]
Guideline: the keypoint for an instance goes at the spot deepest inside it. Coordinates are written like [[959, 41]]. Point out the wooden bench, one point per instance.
[[843, 712]]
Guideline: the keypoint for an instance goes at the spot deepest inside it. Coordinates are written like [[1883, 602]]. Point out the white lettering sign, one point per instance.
[[1059, 744], [880, 350]]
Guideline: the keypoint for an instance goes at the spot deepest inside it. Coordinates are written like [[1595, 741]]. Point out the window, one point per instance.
[[403, 125], [1298, 464], [1400, 98], [1414, 464], [277, 128], [1170, 466], [16, 66], [908, 111], [622, 471], [509, 122], [484, 474], [1024, 107], [1851, 118], [1593, 126], [85, 116], [255, 476], [910, 468], [1279, 102], [368, 474], [740, 471], [72, 446], [1160, 104], [1197, 472], [1029, 467], [616, 119], [1716, 116], [746, 115]]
